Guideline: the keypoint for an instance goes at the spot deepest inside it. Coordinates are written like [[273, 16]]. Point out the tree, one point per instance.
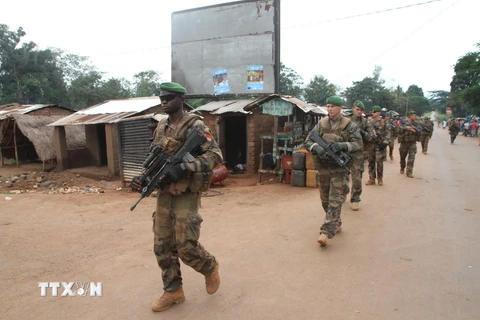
[[319, 89], [438, 100], [465, 85], [416, 100], [290, 82], [370, 91], [115, 88], [85, 90], [147, 83], [28, 75]]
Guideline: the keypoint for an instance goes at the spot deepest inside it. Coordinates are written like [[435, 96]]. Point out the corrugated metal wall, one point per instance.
[[134, 138]]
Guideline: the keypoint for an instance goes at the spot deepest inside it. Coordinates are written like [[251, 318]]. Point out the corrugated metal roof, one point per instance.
[[9, 109], [215, 105], [109, 111], [156, 116], [306, 107], [236, 106]]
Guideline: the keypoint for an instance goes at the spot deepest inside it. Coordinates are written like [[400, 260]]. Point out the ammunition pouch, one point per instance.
[[200, 181]]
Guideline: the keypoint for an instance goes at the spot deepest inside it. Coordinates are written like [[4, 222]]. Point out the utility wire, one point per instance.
[[362, 14]]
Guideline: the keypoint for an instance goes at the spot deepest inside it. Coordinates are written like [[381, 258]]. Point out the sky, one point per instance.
[[342, 40]]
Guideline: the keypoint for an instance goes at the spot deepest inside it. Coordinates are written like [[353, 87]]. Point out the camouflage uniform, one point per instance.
[[453, 130], [375, 153], [176, 221], [393, 135], [332, 179], [426, 134], [358, 157], [408, 146]]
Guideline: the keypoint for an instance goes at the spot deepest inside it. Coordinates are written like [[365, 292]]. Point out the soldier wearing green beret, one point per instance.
[[391, 125], [408, 137], [333, 179], [375, 153], [176, 221]]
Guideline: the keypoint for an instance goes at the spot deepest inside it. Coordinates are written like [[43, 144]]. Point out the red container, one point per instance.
[[220, 173], [287, 176], [287, 162]]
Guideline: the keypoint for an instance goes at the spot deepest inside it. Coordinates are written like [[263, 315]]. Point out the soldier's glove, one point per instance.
[[385, 142], [136, 185], [320, 152], [178, 172], [339, 146]]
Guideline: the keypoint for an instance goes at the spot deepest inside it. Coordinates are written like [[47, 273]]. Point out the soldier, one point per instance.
[[427, 131], [375, 154], [453, 130], [391, 124], [176, 221], [332, 179], [358, 159], [408, 137]]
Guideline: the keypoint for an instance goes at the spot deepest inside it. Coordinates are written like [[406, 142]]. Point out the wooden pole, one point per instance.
[[1, 157], [15, 142]]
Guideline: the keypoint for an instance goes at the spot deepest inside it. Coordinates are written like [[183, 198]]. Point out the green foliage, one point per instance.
[[290, 82], [319, 89], [465, 85], [438, 100], [147, 83], [371, 91], [85, 90]]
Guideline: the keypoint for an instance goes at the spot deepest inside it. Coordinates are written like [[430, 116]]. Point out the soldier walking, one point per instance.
[[408, 137], [453, 130], [358, 159], [427, 131], [391, 124], [333, 179], [375, 154], [176, 221]]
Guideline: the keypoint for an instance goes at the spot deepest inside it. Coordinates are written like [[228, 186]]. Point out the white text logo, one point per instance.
[[71, 289]]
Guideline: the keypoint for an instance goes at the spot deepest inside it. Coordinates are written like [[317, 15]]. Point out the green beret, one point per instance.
[[412, 112], [388, 113], [376, 109], [359, 104], [335, 100], [173, 87], [348, 112]]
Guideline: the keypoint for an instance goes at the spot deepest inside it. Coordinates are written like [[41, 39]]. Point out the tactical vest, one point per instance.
[[337, 135], [379, 127], [409, 136], [197, 181]]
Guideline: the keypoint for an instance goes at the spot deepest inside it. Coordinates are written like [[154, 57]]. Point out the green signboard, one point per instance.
[[277, 107]]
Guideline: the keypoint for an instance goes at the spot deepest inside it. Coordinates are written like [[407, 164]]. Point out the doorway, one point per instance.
[[235, 140]]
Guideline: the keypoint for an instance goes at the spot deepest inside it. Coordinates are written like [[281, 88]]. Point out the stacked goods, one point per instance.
[[287, 168], [298, 173]]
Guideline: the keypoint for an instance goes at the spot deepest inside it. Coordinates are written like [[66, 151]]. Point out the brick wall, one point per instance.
[[258, 124]]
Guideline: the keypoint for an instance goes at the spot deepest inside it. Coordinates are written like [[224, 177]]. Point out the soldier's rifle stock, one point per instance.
[[340, 158], [158, 164]]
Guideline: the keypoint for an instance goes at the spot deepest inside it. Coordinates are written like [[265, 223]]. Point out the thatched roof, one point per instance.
[[36, 130]]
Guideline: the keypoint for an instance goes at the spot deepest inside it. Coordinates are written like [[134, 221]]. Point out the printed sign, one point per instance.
[[220, 81], [254, 78]]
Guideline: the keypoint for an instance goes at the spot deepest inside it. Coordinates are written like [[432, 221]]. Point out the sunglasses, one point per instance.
[[168, 97]]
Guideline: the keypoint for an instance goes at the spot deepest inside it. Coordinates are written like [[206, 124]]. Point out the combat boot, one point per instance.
[[323, 239], [380, 181], [212, 281], [167, 299], [370, 182], [355, 206], [409, 175], [402, 171]]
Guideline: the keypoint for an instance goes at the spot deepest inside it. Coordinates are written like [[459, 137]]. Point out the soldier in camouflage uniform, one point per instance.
[[453, 129], [427, 131], [408, 137], [391, 124], [358, 159], [332, 179], [176, 221], [375, 154]]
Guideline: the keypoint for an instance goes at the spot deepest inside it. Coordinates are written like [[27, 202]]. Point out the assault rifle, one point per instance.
[[158, 164], [341, 159], [415, 126]]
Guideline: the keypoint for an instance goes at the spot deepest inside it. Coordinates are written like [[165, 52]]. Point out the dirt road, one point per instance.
[[411, 252]]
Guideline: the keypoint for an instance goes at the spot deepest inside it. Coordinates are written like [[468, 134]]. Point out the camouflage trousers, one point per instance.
[[357, 168], [332, 181], [424, 141], [375, 162], [410, 149], [176, 229], [391, 146], [452, 137]]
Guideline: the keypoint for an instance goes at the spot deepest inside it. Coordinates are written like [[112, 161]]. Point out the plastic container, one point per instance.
[[298, 161], [298, 178], [309, 161], [287, 176], [311, 180], [287, 162]]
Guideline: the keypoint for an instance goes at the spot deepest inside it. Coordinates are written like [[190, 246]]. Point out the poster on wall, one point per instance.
[[220, 81], [254, 78]]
